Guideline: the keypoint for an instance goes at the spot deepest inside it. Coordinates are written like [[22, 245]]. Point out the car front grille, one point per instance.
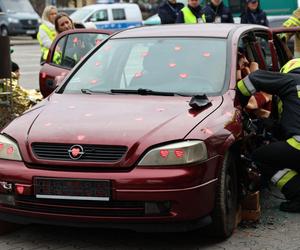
[[29, 23], [92, 153], [82, 208]]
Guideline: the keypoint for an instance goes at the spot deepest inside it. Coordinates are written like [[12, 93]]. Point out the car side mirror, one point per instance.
[[93, 19]]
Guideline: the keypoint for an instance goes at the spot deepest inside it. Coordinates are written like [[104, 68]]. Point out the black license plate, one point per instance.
[[72, 189]]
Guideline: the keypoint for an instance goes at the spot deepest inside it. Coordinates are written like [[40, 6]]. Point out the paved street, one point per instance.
[[276, 230], [27, 55]]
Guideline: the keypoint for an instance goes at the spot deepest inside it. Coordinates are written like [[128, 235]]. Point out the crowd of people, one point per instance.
[[215, 11]]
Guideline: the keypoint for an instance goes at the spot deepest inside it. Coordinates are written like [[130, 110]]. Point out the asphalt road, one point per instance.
[[27, 55], [276, 230]]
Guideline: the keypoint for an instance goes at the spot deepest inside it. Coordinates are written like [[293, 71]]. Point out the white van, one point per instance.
[[114, 16]]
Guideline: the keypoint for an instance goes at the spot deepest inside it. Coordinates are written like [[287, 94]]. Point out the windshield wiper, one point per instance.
[[142, 92], [90, 92]]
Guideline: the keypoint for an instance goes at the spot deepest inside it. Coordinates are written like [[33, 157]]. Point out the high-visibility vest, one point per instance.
[[189, 17], [51, 34]]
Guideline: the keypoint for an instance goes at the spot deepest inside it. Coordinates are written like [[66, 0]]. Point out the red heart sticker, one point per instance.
[[183, 75], [172, 65], [75, 152], [20, 189]]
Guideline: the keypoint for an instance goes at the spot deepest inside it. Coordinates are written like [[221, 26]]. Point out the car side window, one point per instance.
[[266, 52], [58, 51], [118, 14], [99, 16], [77, 46]]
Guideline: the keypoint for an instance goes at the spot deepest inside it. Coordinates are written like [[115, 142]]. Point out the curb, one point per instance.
[[16, 42]]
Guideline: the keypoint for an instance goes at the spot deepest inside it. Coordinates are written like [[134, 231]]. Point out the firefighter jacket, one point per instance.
[[294, 21], [286, 87]]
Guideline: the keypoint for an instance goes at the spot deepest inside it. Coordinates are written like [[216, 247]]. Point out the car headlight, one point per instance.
[[13, 20], [9, 149], [176, 154]]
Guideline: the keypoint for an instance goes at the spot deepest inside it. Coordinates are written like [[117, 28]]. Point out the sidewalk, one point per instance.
[[22, 40]]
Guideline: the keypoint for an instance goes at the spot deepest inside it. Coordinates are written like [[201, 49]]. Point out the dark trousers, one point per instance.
[[276, 156]]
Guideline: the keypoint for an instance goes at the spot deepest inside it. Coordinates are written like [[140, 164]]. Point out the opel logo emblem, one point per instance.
[[76, 152], [29, 22]]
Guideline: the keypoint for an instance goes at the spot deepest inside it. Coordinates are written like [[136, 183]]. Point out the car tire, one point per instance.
[[226, 200], [4, 31]]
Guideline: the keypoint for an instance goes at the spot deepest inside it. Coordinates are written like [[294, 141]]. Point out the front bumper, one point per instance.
[[15, 29], [182, 198]]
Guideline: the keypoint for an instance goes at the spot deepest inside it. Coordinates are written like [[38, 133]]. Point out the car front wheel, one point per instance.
[[225, 211], [4, 31]]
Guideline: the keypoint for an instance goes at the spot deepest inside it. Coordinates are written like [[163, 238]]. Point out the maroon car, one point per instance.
[[70, 47], [144, 133]]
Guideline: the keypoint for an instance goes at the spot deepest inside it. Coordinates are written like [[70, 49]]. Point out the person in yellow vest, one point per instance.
[[47, 32], [293, 21], [192, 13]]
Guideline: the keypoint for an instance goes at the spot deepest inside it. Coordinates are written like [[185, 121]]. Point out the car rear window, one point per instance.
[[180, 65]]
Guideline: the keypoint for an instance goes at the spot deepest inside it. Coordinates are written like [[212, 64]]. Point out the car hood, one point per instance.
[[24, 15], [125, 120]]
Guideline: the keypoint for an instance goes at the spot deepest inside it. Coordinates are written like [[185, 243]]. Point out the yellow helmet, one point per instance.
[[291, 65]]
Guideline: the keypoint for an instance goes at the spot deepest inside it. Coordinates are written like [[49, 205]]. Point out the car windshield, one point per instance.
[[80, 14], [17, 5], [178, 65]]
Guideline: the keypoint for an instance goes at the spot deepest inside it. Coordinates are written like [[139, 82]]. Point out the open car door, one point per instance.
[[65, 52], [284, 42]]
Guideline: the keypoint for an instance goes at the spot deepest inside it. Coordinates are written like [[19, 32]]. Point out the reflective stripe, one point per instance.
[[298, 90], [286, 178], [295, 20], [292, 21], [276, 177], [294, 142], [249, 85], [242, 88], [280, 108]]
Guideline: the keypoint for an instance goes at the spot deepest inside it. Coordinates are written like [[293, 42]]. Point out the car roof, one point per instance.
[[187, 30], [108, 5]]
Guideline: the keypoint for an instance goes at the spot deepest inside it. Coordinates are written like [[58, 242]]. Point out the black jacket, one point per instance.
[[287, 88], [168, 12], [255, 17], [211, 12], [196, 11]]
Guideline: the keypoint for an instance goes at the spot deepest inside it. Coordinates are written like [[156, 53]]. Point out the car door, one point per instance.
[[284, 49], [65, 52]]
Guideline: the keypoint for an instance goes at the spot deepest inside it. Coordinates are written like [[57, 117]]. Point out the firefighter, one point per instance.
[[192, 13], [279, 160], [293, 21]]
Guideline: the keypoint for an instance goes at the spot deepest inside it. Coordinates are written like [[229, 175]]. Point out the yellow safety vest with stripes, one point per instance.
[[189, 17], [51, 34]]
